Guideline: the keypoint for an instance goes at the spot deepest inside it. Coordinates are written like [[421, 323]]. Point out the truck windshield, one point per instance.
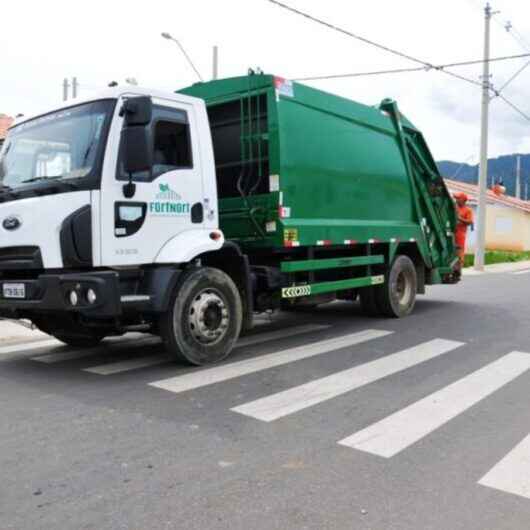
[[67, 144]]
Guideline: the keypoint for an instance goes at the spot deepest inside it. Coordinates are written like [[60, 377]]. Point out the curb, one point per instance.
[[498, 268]]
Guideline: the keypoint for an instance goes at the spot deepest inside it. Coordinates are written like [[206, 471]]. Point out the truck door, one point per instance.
[[168, 200]]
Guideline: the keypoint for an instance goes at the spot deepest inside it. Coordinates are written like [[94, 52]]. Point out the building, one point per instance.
[[5, 123], [507, 219]]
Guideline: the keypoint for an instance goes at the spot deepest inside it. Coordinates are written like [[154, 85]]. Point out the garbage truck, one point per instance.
[[185, 214]]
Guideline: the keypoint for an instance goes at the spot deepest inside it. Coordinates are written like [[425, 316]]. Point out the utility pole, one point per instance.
[[483, 172], [75, 85], [215, 73], [518, 178], [66, 86]]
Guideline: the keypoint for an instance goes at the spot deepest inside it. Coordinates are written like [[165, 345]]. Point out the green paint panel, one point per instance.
[[342, 171], [334, 263], [297, 291]]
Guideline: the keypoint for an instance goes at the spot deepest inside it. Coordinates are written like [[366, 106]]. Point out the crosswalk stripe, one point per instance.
[[512, 473], [220, 373], [278, 334], [282, 404], [29, 346], [130, 364], [115, 346], [153, 360], [396, 432]]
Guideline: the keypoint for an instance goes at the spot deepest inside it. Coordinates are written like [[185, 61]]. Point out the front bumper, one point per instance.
[[50, 293]]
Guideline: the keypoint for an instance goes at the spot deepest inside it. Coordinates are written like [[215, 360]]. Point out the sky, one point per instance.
[[44, 41]]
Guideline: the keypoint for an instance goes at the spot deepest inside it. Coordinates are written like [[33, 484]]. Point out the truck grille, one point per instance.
[[20, 258]]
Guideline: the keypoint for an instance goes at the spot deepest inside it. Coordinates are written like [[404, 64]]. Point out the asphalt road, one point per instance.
[[431, 413]]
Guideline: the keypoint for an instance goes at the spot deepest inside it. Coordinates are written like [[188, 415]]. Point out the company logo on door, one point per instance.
[[168, 202]]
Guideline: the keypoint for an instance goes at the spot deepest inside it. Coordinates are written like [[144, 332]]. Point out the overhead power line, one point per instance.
[[526, 65], [514, 33], [521, 38], [514, 107], [507, 26], [415, 69], [371, 42]]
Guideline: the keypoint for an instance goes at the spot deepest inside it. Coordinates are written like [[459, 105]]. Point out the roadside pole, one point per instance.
[[518, 178], [65, 89], [483, 172], [215, 73]]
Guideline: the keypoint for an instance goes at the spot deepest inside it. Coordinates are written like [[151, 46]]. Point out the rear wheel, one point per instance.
[[204, 318], [397, 296]]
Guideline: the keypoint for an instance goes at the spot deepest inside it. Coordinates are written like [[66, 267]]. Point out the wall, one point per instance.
[[506, 229]]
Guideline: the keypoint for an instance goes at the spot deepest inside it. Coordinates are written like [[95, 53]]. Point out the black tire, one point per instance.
[[397, 296], [368, 301], [79, 341], [204, 318]]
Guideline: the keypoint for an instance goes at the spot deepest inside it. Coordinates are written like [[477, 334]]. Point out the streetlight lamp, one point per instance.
[[168, 36]]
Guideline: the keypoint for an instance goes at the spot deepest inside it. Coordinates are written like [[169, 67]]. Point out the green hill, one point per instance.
[[503, 167]]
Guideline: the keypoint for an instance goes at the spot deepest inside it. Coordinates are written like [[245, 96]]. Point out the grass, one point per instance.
[[498, 256]]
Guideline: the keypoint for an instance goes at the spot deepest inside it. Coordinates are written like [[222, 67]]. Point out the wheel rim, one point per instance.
[[208, 317], [403, 289]]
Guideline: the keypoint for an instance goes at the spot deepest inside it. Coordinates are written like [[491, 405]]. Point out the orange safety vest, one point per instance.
[[464, 212]]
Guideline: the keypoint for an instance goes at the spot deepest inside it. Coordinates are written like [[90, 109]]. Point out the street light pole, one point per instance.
[[75, 84], [167, 36], [215, 73], [483, 172], [66, 86]]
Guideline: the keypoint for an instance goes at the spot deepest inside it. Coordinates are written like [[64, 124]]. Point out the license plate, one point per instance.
[[14, 290]]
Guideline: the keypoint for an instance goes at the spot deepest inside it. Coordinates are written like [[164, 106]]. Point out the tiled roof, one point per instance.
[[5, 123], [472, 191]]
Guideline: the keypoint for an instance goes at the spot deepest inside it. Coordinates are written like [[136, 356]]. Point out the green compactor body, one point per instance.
[[308, 180]]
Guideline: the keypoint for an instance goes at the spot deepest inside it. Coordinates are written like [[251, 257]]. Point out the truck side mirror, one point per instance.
[[137, 111], [136, 149]]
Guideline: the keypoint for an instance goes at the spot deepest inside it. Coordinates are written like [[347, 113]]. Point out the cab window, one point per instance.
[[170, 143]]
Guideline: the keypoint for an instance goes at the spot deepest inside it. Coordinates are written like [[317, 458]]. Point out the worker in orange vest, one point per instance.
[[465, 219], [499, 188]]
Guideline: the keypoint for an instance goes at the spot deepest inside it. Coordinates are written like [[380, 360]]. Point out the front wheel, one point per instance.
[[204, 318], [397, 296]]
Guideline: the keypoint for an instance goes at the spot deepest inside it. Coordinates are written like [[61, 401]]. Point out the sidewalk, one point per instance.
[[11, 333], [498, 268]]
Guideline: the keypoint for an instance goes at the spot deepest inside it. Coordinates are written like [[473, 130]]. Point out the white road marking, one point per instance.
[[282, 404], [278, 334], [29, 346], [512, 473], [108, 347], [153, 360], [398, 431], [217, 374], [130, 364]]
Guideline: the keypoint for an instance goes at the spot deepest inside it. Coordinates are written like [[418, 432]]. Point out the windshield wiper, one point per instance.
[[38, 179], [54, 179]]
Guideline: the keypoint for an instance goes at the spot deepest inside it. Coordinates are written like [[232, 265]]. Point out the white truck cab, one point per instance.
[[108, 208]]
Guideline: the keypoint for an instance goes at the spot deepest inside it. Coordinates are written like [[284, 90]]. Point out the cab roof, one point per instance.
[[109, 93]]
